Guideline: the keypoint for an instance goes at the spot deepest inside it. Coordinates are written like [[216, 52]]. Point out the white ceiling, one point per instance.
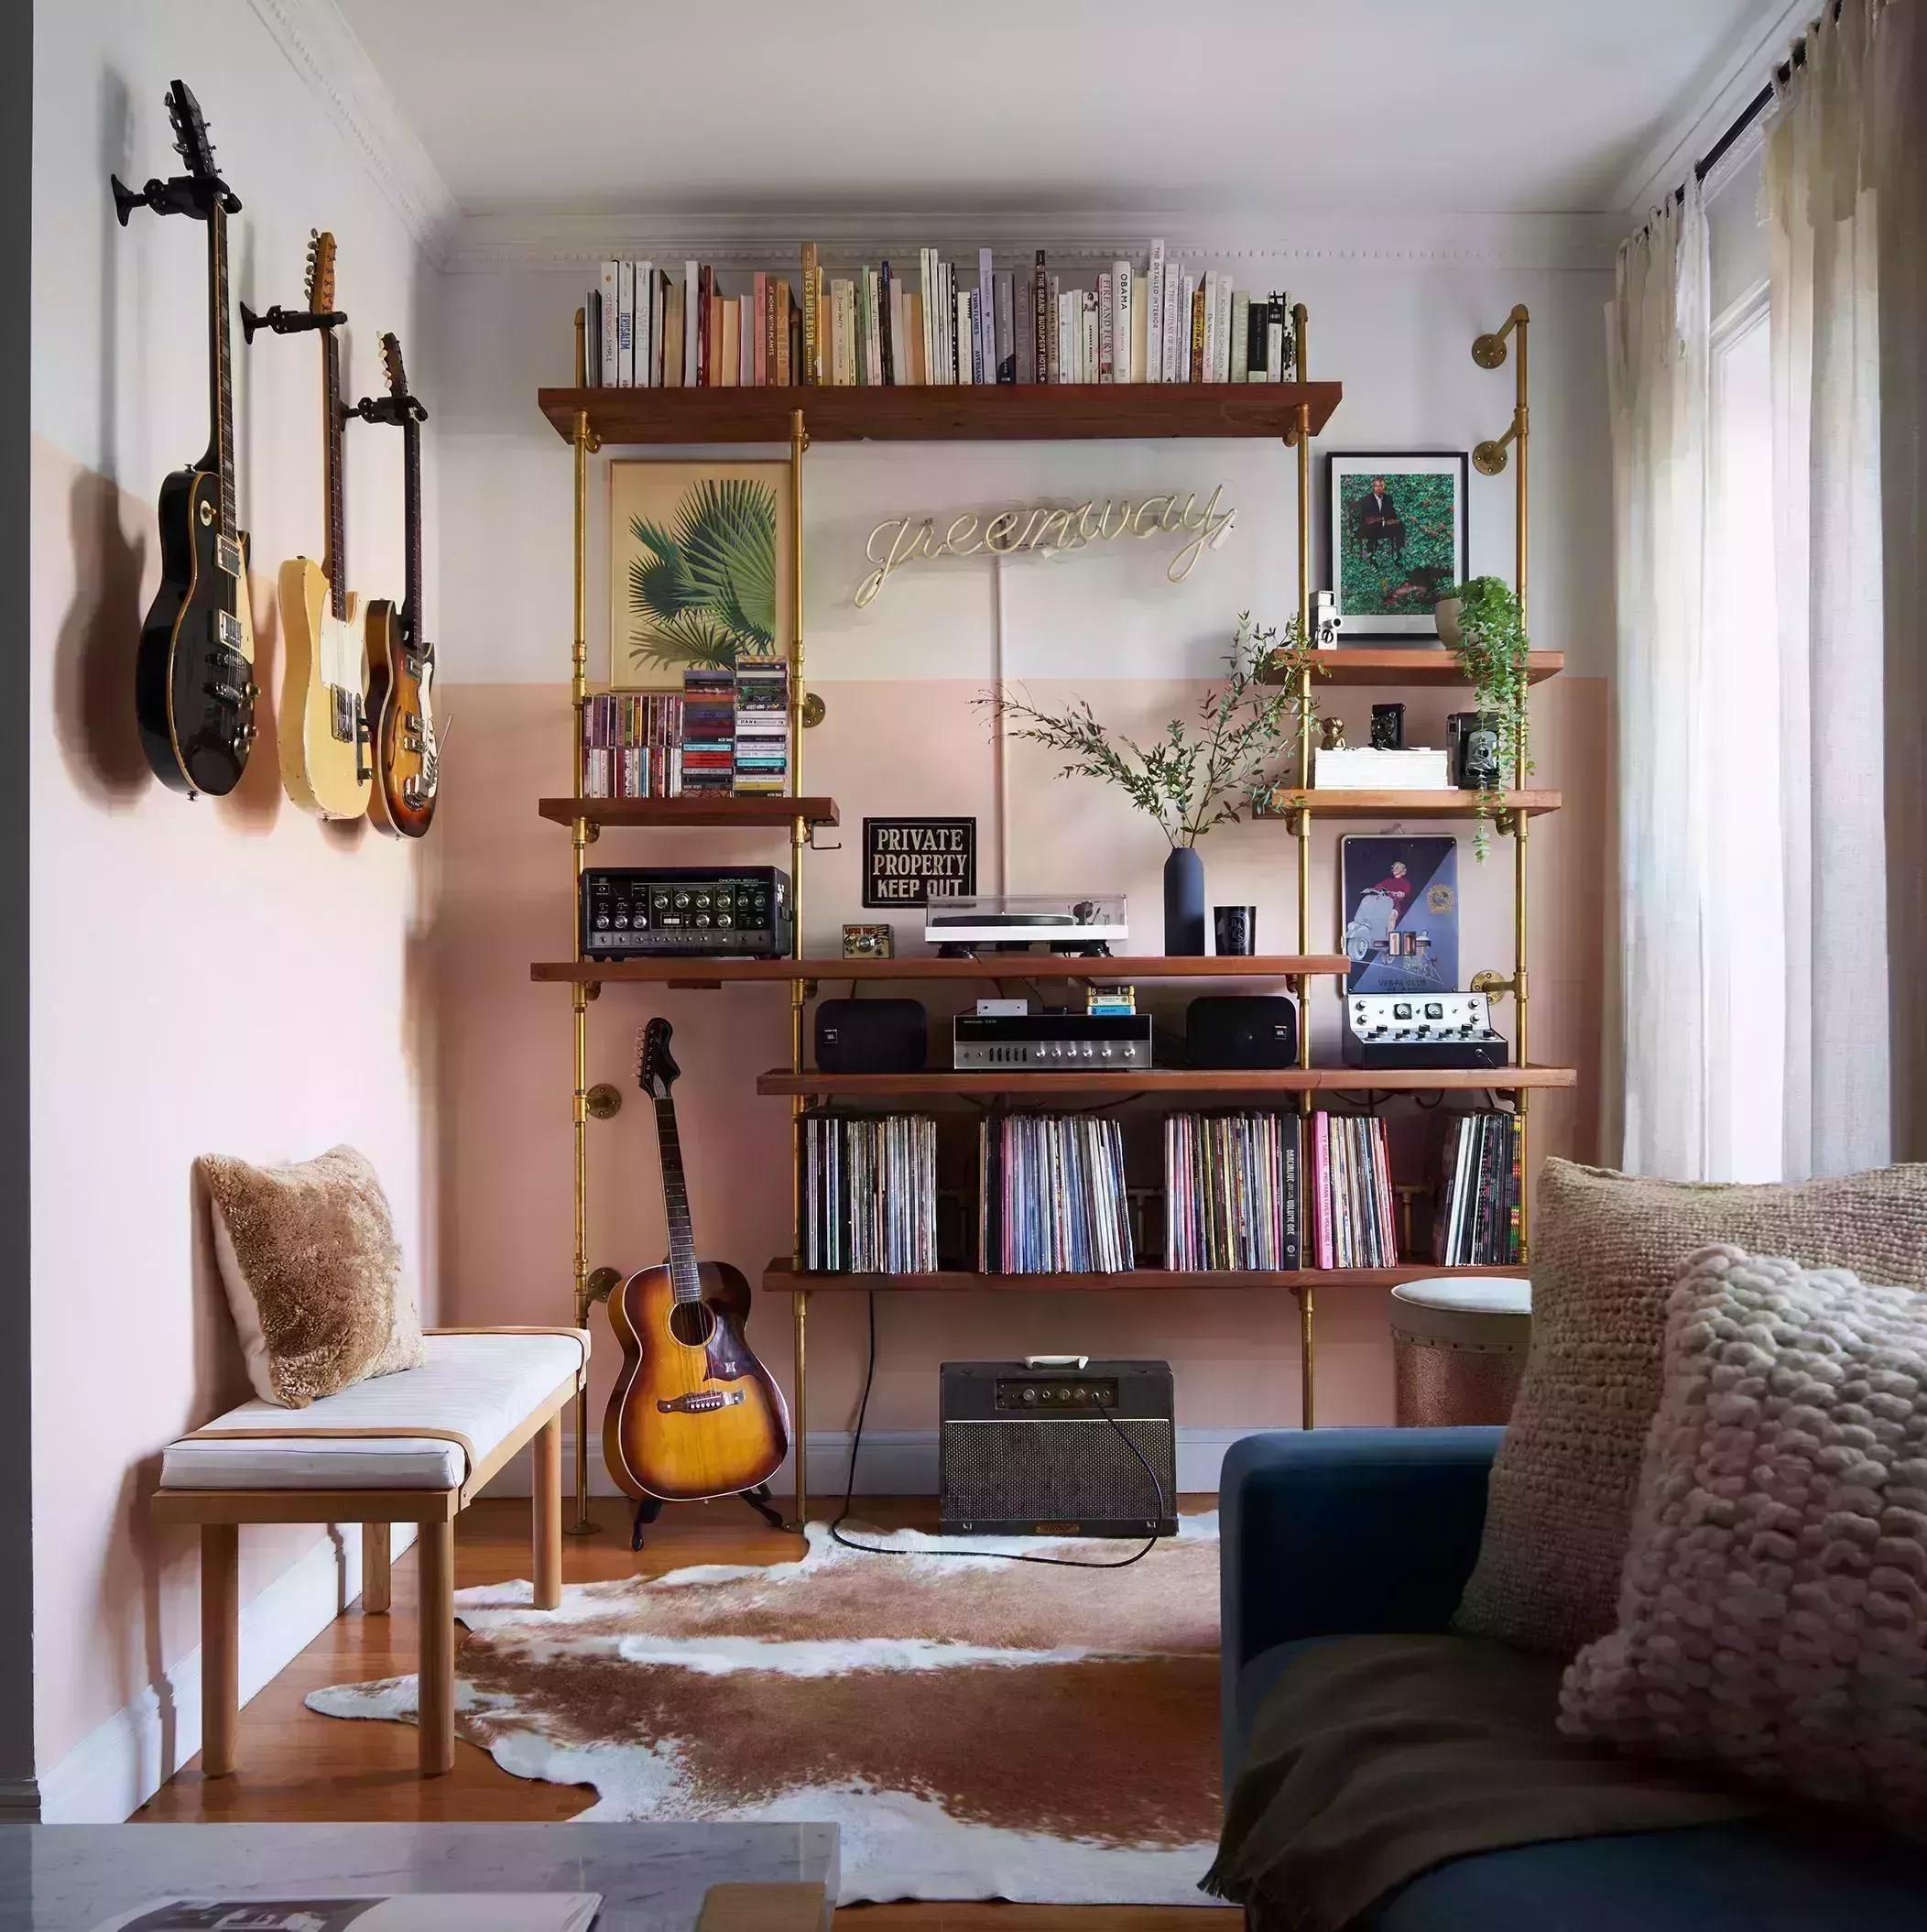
[[746, 107]]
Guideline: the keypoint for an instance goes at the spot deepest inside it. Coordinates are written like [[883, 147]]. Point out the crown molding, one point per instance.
[[554, 241], [1663, 165], [321, 48]]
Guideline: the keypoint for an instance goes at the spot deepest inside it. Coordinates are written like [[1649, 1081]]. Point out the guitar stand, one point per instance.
[[647, 1507]]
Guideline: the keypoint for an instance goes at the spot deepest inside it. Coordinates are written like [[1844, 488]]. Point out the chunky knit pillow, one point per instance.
[[1773, 1614], [313, 1271], [1606, 1248]]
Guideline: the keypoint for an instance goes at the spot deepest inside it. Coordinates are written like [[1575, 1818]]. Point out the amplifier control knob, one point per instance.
[[1031, 1395], [1105, 1053], [702, 919], [681, 902]]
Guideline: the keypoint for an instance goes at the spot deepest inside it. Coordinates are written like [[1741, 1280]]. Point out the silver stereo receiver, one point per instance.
[[1093, 1043], [1405, 1030]]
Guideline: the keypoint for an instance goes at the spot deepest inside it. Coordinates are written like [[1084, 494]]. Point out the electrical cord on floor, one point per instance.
[[1066, 1562]]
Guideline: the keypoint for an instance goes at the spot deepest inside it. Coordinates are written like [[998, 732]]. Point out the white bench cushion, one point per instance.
[[481, 1385]]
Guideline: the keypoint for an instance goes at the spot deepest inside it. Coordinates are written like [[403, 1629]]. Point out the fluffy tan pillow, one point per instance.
[[313, 1271], [1773, 1612], [1606, 1248]]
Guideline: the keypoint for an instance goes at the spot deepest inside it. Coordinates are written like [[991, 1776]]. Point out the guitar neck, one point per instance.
[[683, 1273], [221, 438], [335, 563], [414, 622]]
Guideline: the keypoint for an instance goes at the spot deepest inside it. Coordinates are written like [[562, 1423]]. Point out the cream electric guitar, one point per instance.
[[326, 765]]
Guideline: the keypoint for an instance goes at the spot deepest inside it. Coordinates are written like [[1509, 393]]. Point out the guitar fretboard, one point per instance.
[[336, 563], [683, 1274], [220, 384], [414, 623]]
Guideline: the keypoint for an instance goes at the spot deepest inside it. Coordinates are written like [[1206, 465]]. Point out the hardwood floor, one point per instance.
[[295, 1766]]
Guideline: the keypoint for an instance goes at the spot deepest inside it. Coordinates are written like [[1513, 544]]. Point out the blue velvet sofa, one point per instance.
[[1342, 1532]]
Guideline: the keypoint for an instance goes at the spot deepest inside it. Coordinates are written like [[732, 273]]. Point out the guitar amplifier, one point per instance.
[[701, 911], [1039, 1448]]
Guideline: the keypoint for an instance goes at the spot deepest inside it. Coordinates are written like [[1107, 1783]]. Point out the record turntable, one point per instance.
[[963, 925]]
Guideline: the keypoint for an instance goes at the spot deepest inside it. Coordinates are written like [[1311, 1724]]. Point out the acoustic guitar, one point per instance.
[[694, 1413], [323, 718], [194, 687], [401, 661]]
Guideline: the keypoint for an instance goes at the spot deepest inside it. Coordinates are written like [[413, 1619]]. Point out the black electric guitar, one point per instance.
[[694, 1413], [194, 688], [401, 661]]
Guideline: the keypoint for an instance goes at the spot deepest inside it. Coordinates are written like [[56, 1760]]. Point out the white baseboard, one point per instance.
[[117, 1768], [895, 1463]]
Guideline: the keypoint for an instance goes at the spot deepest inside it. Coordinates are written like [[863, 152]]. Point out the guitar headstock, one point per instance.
[[190, 141], [391, 368], [320, 272], [656, 1069]]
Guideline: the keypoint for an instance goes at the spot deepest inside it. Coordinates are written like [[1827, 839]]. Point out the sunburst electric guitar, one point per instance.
[[401, 661], [694, 1413], [325, 765]]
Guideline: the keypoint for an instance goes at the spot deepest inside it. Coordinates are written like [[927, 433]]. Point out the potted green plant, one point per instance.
[[1192, 778], [1481, 624]]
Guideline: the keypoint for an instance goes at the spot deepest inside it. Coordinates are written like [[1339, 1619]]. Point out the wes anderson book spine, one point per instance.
[[812, 321], [1042, 318], [1174, 332]]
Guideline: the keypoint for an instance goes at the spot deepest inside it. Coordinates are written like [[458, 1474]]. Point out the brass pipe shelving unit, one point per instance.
[[1295, 415]]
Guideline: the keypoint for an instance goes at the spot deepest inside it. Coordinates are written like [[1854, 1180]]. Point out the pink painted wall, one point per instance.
[[908, 745]]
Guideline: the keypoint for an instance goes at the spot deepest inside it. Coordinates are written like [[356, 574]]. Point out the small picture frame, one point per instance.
[[1398, 535]]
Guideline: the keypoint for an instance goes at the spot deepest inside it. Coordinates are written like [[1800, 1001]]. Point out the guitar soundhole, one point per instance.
[[692, 1323]]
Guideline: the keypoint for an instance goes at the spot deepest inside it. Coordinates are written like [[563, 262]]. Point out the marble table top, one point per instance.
[[68, 1878]]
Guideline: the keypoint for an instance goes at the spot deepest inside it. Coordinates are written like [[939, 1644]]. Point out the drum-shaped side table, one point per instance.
[[1459, 1348]]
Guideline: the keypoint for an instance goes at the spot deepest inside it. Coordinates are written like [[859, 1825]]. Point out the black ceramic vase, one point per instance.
[[1184, 903]]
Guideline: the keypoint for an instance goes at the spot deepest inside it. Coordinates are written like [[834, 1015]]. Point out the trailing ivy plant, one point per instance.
[[1189, 778], [1493, 651]]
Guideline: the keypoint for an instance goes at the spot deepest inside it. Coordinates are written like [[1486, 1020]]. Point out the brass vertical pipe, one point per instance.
[[799, 1299], [1307, 1341], [579, 1003], [1522, 423]]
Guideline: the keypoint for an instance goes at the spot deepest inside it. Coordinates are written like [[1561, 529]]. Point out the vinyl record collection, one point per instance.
[[1231, 1190], [1351, 1192], [1052, 1195], [869, 1193], [1478, 1219]]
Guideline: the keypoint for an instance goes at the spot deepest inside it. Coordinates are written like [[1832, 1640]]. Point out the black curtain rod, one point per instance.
[[1750, 113]]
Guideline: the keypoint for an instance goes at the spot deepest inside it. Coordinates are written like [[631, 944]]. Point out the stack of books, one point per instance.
[[1476, 1224], [1052, 1195], [632, 745], [1231, 1190], [762, 726], [709, 730], [1352, 1225], [1149, 318], [869, 1194]]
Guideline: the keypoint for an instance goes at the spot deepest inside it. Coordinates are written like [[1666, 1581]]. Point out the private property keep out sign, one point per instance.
[[905, 858]]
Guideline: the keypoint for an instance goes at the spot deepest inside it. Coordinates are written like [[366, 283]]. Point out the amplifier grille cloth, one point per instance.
[[1073, 1468]]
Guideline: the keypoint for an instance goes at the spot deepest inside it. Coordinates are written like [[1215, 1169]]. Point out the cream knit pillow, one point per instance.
[[1606, 1248], [1773, 1614]]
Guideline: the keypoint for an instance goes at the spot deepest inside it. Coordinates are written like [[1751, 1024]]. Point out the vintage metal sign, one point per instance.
[[903, 858]]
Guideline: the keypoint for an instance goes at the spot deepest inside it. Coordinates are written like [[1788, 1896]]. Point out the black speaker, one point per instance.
[[1055, 1451], [1228, 1030], [871, 1036]]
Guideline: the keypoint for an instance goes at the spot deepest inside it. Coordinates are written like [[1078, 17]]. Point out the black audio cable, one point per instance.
[[1067, 1563]]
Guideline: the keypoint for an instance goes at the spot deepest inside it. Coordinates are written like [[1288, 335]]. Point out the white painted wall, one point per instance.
[[213, 975]]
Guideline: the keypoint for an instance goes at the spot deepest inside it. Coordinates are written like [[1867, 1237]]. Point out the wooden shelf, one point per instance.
[[783, 1277], [922, 413], [1334, 803], [655, 972], [1171, 1080], [668, 813], [1423, 664]]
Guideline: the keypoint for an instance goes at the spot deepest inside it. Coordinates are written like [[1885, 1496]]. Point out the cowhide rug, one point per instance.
[[976, 1729]]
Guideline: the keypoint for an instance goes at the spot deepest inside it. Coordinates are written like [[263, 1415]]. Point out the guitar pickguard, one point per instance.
[[728, 1354]]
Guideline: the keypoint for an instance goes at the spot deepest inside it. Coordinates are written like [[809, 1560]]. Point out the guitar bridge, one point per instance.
[[702, 1403]]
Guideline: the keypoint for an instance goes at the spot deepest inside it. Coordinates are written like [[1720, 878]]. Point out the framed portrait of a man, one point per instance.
[[1398, 541]]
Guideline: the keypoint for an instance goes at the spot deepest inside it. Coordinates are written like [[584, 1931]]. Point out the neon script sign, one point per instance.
[[1049, 530]]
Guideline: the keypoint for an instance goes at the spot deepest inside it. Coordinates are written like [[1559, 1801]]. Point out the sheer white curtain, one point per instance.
[[1820, 186], [1658, 335]]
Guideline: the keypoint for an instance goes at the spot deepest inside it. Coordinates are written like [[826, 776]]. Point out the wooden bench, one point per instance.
[[413, 1448]]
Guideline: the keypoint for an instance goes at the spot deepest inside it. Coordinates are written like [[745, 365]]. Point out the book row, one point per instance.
[[1151, 320]]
